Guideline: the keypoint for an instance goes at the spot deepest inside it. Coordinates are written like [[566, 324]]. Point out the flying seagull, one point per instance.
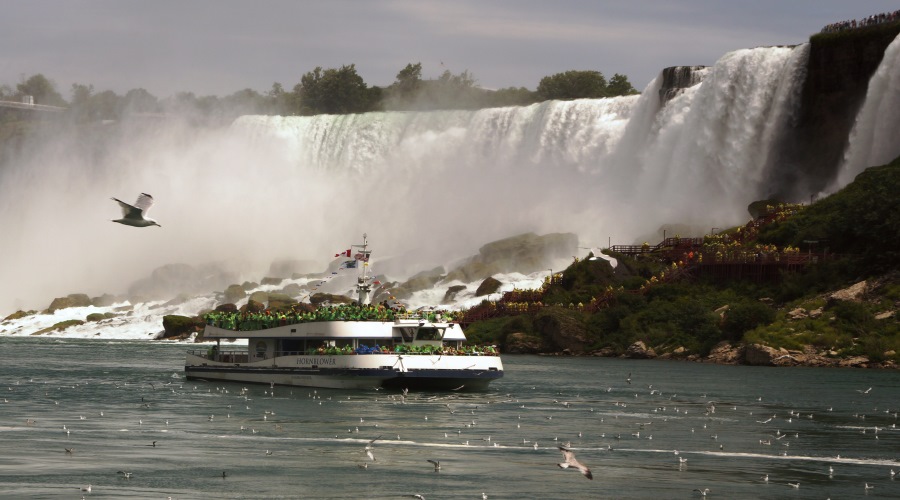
[[570, 461], [437, 465], [133, 215]]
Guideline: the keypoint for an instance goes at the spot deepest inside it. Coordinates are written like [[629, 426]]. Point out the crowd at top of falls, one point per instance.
[[884, 17]]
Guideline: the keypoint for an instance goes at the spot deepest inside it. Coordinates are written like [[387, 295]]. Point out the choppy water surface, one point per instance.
[[109, 401]]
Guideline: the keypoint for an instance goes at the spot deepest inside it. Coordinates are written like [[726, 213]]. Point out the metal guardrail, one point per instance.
[[32, 107]]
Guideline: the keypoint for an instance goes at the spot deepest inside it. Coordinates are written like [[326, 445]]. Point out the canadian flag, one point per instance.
[[345, 253]]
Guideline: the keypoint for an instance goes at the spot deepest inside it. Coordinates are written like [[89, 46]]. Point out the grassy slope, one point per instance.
[[862, 222]]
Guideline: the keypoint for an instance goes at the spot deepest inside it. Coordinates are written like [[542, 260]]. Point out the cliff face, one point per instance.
[[839, 68], [677, 78]]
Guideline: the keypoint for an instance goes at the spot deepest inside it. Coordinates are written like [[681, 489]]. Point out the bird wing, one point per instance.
[[435, 463], [567, 455], [373, 441], [129, 211], [144, 202], [571, 461]]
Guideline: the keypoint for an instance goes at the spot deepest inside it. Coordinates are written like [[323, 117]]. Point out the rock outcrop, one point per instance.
[[639, 350], [234, 293], [526, 253], [561, 332], [487, 287], [71, 300], [760, 355], [724, 353], [180, 327], [452, 292], [522, 343], [853, 293]]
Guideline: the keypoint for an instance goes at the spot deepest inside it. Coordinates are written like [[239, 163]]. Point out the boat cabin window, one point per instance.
[[430, 334], [293, 345], [408, 332]]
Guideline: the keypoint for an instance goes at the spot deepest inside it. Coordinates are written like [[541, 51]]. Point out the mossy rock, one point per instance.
[[99, 316], [227, 307], [260, 297], [320, 298], [234, 293], [104, 300], [71, 300], [487, 287], [58, 327], [272, 281], [280, 301], [176, 326], [253, 306], [292, 289], [452, 292], [249, 285], [19, 315], [562, 330]]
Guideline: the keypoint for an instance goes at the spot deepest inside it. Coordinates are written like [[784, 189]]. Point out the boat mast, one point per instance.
[[363, 287]]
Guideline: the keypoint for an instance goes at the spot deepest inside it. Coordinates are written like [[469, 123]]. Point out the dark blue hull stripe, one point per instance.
[[199, 371]]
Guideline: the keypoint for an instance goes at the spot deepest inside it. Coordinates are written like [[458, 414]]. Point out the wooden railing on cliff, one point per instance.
[[689, 258]]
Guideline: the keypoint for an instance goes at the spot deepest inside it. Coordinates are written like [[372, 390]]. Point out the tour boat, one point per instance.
[[356, 346]]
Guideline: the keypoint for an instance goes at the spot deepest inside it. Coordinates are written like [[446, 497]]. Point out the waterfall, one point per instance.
[[428, 186], [875, 137]]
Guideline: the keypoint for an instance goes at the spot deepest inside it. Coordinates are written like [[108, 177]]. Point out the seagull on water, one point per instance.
[[702, 492], [794, 485], [570, 461], [125, 474], [437, 465], [86, 489], [133, 215]]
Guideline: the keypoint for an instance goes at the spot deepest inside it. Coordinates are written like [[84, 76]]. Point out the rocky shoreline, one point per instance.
[[725, 353]]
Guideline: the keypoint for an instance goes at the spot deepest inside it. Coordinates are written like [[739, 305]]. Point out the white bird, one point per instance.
[[865, 391], [369, 449], [702, 492], [125, 474], [570, 461], [794, 485], [86, 489], [133, 215], [869, 487]]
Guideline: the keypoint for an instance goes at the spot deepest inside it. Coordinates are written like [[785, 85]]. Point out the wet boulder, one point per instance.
[[234, 293], [488, 286], [180, 327], [71, 300]]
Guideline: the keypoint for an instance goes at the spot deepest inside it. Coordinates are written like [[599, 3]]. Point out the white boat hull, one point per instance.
[[364, 371]]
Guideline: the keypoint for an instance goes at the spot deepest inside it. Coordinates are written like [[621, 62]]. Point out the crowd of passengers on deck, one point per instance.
[[248, 321]]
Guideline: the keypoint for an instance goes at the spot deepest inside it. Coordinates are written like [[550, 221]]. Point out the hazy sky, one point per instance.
[[217, 47]]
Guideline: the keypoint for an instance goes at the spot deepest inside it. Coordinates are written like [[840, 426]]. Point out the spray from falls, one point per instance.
[[428, 186]]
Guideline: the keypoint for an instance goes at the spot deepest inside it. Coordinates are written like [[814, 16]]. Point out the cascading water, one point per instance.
[[431, 186], [875, 138]]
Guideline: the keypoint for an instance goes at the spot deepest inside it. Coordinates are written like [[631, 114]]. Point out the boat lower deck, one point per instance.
[[352, 372]]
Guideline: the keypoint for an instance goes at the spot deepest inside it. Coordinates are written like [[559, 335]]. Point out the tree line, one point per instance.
[[325, 91]]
